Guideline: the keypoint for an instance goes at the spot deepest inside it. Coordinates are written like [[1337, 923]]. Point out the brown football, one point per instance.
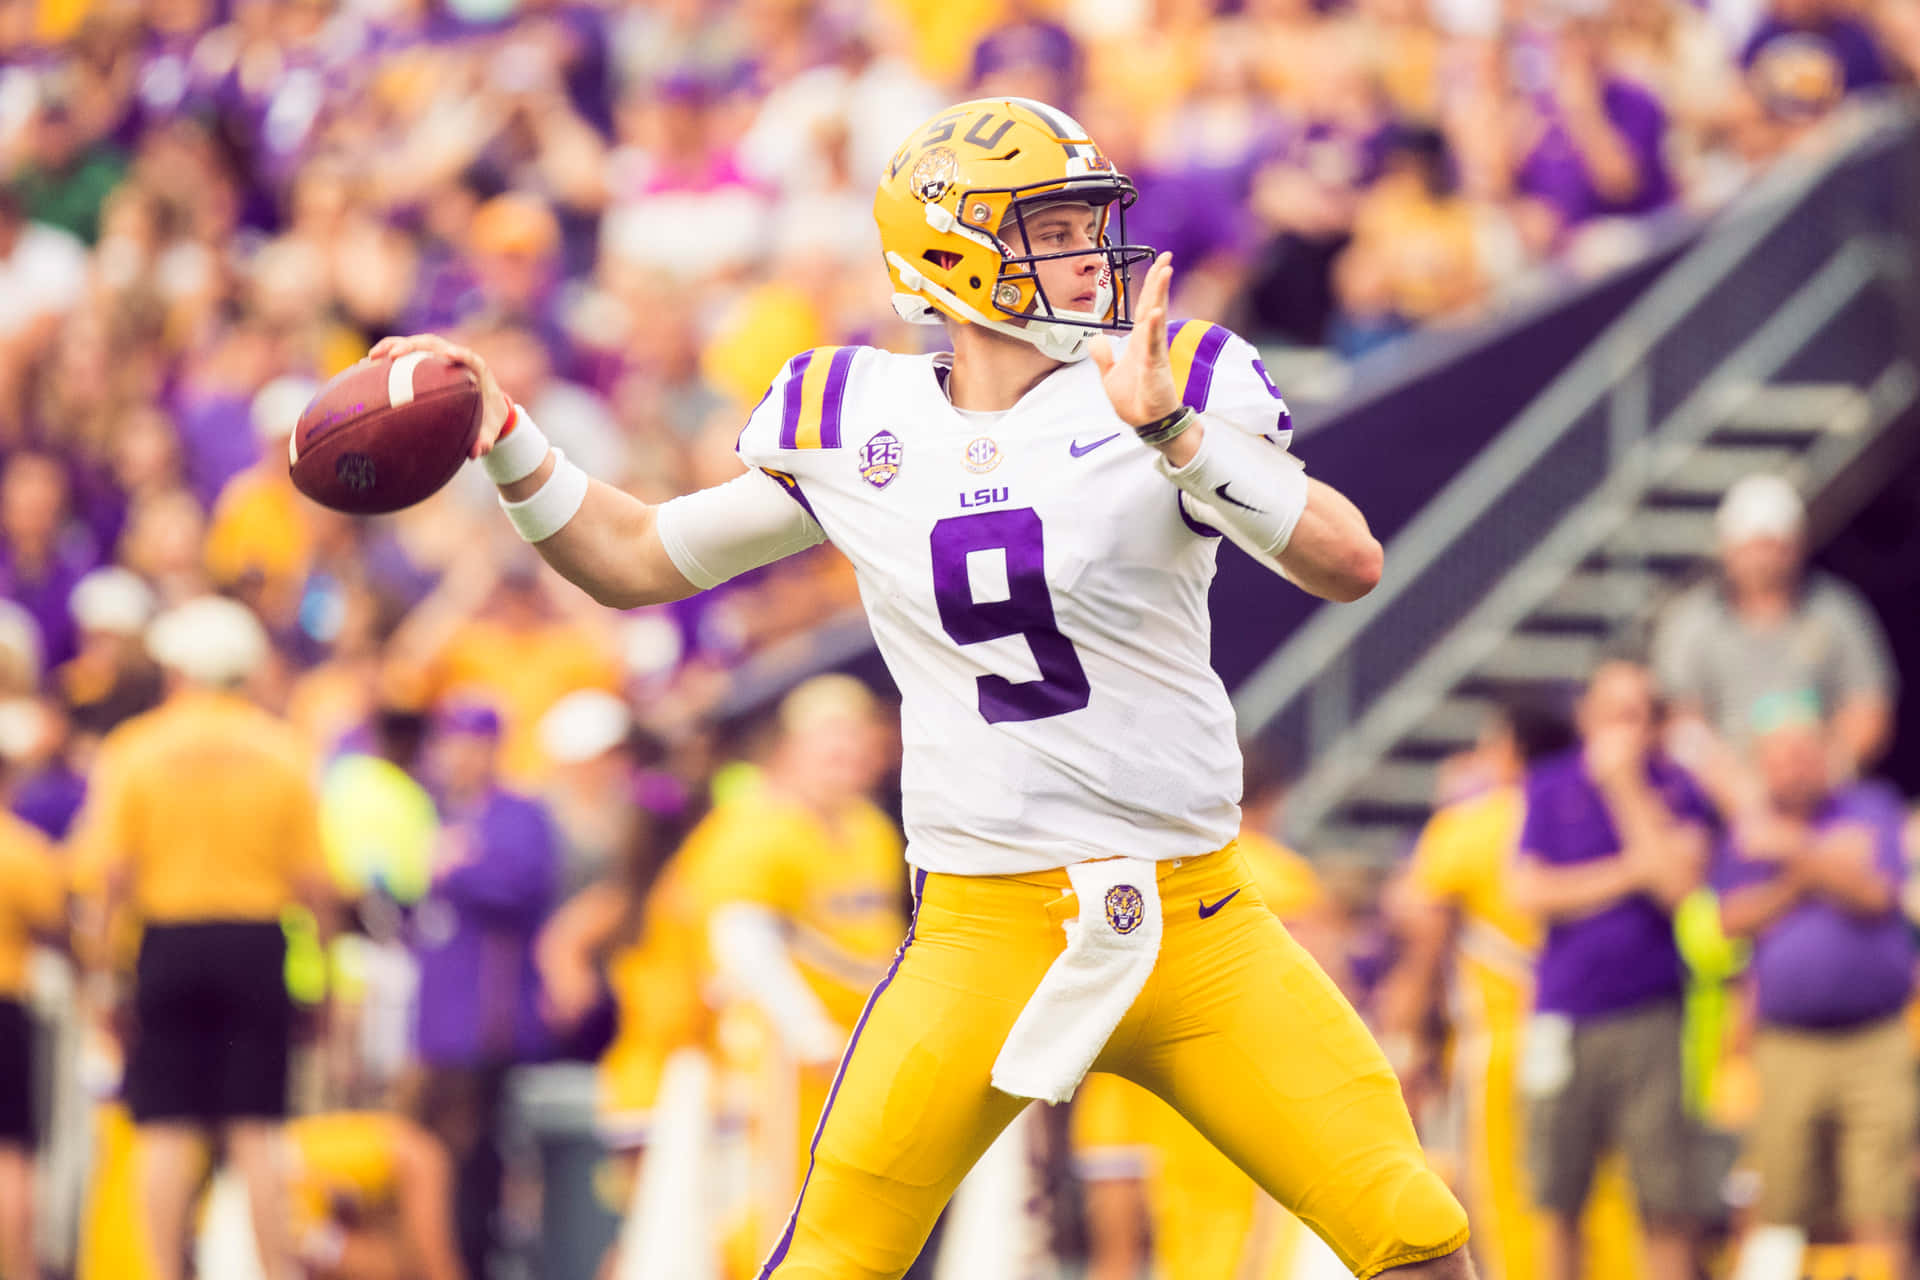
[[384, 434]]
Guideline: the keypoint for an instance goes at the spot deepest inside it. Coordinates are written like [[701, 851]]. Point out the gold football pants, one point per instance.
[[1238, 1029]]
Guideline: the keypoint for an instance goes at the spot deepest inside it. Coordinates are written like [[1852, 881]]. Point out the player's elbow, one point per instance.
[[1358, 570], [637, 590], [617, 595]]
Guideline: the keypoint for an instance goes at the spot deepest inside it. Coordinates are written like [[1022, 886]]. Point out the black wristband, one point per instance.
[[1162, 430]]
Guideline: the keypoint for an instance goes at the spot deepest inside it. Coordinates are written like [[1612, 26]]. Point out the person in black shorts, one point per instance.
[[205, 821]]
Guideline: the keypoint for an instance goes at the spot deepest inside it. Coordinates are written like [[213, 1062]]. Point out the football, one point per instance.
[[384, 434]]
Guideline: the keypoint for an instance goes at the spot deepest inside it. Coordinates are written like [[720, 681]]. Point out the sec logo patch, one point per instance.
[[1125, 908], [982, 455]]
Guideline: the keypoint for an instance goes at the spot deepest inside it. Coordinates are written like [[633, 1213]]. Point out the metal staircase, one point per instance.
[[1784, 341]]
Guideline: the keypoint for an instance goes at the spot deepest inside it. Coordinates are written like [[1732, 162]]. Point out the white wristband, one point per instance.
[[517, 455], [1257, 489], [544, 513]]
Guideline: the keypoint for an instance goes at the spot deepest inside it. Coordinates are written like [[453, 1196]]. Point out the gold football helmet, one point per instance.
[[952, 207]]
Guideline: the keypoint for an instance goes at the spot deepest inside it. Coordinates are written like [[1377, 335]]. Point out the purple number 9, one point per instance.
[[1027, 611]]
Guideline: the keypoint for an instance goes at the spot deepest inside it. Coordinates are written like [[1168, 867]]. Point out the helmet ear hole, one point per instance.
[[945, 259]]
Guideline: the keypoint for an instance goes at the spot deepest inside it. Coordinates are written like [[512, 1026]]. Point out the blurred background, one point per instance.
[[1602, 310]]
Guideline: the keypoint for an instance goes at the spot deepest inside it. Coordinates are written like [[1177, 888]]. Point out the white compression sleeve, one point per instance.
[[750, 954], [1249, 488], [722, 532]]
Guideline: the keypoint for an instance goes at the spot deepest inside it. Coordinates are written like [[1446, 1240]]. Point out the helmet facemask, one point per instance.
[[1019, 293]]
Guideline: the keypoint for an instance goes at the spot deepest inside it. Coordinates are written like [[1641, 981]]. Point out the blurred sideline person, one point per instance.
[[478, 1013], [590, 739], [634, 938], [799, 879], [1769, 624], [1148, 1174], [1614, 836], [372, 1198], [1815, 882], [33, 895], [1470, 949], [204, 822], [1070, 753]]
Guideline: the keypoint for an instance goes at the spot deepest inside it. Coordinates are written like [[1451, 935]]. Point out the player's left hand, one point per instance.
[[1140, 381]]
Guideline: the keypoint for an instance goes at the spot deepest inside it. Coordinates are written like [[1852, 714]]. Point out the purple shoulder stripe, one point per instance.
[[779, 1254], [1200, 377], [790, 406], [834, 395]]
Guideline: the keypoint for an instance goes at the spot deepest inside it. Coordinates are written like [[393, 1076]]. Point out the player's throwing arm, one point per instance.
[[604, 540]]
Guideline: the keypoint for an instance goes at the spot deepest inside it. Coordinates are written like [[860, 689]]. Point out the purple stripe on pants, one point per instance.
[[1200, 377], [790, 412], [779, 1254], [836, 392]]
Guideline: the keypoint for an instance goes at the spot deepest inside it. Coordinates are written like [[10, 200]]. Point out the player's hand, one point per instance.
[[1140, 381], [494, 404]]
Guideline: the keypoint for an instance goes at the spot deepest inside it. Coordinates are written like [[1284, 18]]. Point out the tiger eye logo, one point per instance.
[[1125, 908], [355, 470], [933, 174]]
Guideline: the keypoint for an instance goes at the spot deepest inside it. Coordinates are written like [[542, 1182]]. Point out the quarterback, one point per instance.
[[1034, 521]]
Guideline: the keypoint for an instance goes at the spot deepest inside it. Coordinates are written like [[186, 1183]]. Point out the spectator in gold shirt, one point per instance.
[[32, 895], [204, 825]]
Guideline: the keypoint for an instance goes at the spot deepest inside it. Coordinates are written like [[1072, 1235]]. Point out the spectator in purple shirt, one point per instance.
[[43, 551], [474, 933], [1593, 146], [1615, 836], [1815, 882]]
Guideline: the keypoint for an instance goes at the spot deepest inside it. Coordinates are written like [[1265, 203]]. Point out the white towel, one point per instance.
[[1111, 949]]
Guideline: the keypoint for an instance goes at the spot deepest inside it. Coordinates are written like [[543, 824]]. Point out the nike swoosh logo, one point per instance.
[[1220, 492], [1207, 911], [1079, 450]]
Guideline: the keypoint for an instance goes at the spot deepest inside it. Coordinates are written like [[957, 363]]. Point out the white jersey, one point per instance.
[[1039, 592]]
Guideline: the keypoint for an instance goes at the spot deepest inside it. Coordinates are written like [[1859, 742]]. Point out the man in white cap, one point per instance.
[[587, 735], [111, 678], [1767, 624], [204, 825]]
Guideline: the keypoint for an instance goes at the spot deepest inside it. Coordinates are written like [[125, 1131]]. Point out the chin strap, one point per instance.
[[1063, 342]]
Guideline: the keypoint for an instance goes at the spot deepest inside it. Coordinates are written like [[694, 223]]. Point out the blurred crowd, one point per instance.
[[493, 825]]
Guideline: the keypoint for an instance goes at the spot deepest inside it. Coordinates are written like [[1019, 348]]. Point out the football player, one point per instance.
[[1034, 520]]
